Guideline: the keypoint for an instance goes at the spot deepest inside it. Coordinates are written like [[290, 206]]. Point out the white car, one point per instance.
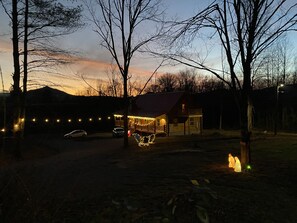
[[76, 134]]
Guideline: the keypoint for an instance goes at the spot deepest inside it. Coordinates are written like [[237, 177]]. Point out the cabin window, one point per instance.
[[183, 108], [192, 121], [175, 122]]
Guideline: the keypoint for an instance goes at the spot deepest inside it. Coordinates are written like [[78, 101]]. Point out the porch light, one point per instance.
[[16, 127]]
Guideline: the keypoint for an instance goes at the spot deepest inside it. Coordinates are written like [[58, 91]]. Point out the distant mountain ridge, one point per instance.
[[47, 95]]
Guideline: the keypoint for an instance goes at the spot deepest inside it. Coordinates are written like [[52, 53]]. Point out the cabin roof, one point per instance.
[[153, 105]]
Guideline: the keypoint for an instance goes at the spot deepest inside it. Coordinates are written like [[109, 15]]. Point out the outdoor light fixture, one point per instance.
[[108, 117], [46, 120], [234, 163], [69, 120], [22, 119], [248, 167], [16, 127], [58, 120], [33, 119], [99, 118], [3, 130], [90, 119], [79, 120]]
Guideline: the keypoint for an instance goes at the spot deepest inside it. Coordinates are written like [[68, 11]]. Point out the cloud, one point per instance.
[[97, 68]]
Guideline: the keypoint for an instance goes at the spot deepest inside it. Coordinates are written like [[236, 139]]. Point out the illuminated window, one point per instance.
[[183, 108]]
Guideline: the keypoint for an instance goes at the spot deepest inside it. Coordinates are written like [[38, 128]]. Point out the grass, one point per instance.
[[179, 179]]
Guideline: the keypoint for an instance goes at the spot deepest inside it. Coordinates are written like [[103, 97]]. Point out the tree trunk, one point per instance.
[[25, 66], [126, 108], [16, 91], [246, 117]]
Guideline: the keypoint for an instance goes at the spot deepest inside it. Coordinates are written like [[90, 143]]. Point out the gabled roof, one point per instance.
[[155, 104]]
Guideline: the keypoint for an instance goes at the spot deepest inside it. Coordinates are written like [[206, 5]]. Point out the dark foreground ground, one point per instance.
[[178, 179]]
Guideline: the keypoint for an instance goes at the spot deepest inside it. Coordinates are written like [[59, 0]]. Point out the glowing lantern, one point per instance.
[[234, 163], [231, 161], [237, 167]]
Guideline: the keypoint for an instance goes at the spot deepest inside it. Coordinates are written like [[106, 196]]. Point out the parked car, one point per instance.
[[118, 132], [76, 134]]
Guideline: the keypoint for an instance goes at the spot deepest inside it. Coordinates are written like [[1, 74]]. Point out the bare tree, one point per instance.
[[186, 80], [245, 30], [118, 24], [167, 82], [35, 22]]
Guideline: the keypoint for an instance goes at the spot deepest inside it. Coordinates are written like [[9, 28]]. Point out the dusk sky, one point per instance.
[[91, 60]]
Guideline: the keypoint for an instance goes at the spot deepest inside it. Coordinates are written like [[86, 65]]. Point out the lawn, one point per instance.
[[178, 179]]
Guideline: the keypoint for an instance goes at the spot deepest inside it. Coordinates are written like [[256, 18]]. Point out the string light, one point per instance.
[[69, 120], [146, 124]]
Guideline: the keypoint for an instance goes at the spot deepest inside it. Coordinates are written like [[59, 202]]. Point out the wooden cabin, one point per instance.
[[173, 113]]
